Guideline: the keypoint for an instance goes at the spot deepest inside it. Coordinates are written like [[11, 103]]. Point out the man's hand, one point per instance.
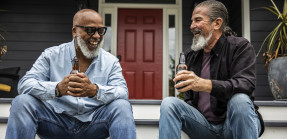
[[63, 86], [79, 85], [192, 82]]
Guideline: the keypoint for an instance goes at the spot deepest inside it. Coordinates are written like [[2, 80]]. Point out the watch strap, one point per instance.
[[57, 92]]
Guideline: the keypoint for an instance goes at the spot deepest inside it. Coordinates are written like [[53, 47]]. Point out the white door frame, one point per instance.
[[168, 9]]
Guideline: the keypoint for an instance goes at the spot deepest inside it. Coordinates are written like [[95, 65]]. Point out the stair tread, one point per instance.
[[147, 112], [158, 102]]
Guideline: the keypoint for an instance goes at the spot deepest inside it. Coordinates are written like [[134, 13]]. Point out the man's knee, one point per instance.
[[239, 100], [169, 103], [121, 105], [239, 103], [23, 104], [23, 100]]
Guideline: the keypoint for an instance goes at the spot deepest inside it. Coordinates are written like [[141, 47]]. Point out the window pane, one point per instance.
[[107, 37], [171, 60]]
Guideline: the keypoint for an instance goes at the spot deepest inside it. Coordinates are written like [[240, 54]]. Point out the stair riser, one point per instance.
[[153, 112], [151, 132]]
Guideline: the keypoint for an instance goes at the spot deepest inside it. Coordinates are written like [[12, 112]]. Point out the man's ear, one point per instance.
[[74, 32], [217, 23]]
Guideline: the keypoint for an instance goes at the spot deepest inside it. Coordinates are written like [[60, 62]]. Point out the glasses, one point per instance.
[[92, 30]]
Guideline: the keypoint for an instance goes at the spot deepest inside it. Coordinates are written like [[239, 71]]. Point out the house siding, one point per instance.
[[32, 26]]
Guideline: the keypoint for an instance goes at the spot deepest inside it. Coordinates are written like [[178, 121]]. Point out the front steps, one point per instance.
[[147, 112]]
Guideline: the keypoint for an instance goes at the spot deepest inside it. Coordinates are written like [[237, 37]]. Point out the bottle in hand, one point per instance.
[[76, 68], [181, 66]]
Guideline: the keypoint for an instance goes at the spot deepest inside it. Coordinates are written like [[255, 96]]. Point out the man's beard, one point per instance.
[[200, 42], [90, 54]]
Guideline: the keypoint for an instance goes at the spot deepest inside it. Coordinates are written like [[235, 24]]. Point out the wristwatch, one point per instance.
[[57, 92]]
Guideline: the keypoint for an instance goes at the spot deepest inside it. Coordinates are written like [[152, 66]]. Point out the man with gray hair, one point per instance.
[[218, 84], [92, 103]]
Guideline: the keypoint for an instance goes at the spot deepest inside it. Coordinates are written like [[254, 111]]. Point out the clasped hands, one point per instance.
[[77, 85], [190, 81]]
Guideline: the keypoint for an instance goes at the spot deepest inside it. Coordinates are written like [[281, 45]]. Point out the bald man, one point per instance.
[[92, 103]]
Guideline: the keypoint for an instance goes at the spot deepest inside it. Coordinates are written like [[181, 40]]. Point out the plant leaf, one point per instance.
[[2, 37], [263, 43], [284, 36], [281, 42], [277, 50], [285, 10], [275, 8], [273, 38], [271, 10]]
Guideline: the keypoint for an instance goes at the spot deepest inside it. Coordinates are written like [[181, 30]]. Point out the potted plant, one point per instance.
[[275, 54]]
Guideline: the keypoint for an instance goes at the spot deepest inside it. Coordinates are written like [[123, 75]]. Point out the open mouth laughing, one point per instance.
[[196, 32], [93, 43]]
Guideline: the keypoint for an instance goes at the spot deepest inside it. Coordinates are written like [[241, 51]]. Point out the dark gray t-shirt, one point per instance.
[[204, 97]]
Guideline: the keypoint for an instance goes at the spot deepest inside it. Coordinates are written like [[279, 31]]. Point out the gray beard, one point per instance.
[[90, 54], [200, 42]]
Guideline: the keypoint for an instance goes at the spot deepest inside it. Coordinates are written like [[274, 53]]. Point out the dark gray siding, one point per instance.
[[31, 26], [187, 8]]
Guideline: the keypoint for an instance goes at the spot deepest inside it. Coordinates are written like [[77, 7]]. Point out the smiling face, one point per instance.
[[201, 24], [206, 31], [201, 28], [88, 44]]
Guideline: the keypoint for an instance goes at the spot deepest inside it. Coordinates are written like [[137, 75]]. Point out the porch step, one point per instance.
[[147, 112]]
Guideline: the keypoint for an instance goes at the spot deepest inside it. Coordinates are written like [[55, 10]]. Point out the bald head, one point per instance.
[[86, 17]]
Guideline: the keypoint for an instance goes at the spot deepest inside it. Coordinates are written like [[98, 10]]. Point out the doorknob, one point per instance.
[[119, 57]]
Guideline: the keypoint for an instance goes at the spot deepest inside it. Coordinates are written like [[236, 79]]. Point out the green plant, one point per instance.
[[3, 46], [277, 39]]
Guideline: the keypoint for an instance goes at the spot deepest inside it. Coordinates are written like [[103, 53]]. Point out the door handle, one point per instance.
[[119, 57]]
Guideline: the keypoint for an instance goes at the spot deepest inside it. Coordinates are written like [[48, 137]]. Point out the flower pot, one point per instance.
[[277, 78]]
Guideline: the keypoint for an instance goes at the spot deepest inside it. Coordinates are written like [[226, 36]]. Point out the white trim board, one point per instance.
[[245, 14]]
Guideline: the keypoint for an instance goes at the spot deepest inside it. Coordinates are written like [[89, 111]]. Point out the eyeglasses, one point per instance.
[[92, 30]]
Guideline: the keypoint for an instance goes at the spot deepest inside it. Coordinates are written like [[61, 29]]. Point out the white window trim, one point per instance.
[[245, 13], [168, 9]]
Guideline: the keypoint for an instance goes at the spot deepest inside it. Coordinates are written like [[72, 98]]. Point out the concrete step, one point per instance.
[[149, 130], [147, 112]]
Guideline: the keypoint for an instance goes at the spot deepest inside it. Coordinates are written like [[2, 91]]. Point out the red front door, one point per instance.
[[140, 49]]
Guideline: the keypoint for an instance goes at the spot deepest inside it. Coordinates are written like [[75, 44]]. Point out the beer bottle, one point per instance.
[[76, 68], [181, 66]]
